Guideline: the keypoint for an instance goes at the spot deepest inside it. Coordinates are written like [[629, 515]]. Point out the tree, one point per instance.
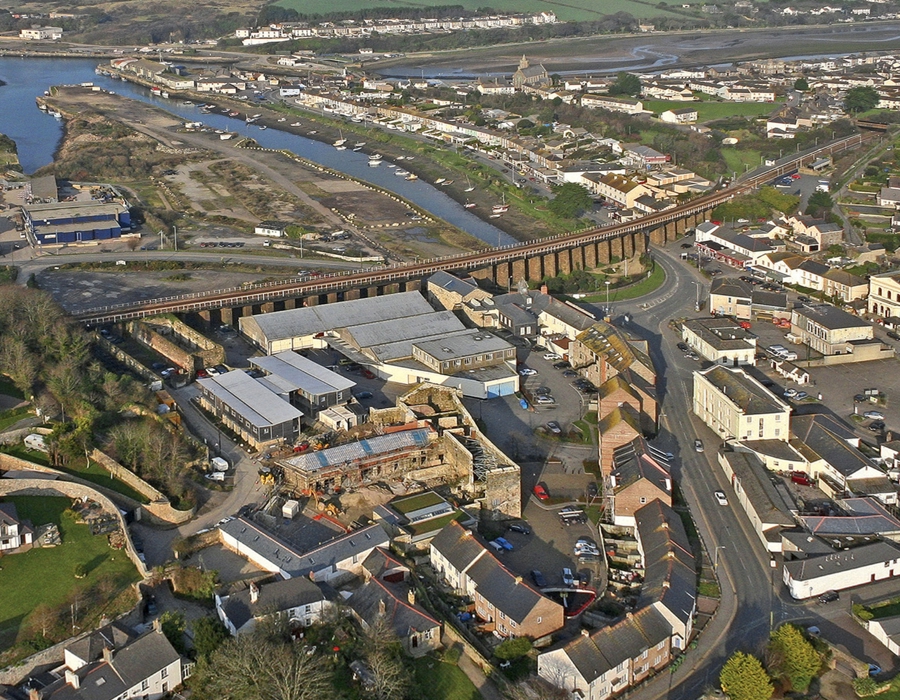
[[570, 200], [513, 648], [861, 99], [173, 626], [533, 688], [801, 85], [793, 657], [819, 203], [626, 84], [209, 635], [744, 678], [383, 654]]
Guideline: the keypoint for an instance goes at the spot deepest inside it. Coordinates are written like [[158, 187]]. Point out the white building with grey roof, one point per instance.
[[877, 560]]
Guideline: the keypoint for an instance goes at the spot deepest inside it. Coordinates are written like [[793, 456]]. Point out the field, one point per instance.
[[46, 577], [572, 11], [710, 111]]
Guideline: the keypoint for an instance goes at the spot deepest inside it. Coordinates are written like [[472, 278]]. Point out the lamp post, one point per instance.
[[697, 303], [606, 282], [716, 557]]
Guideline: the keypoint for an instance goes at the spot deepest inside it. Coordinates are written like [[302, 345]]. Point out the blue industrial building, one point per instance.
[[75, 222]]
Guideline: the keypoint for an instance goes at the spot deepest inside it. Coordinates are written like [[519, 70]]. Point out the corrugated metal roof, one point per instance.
[[294, 371], [379, 332], [250, 398], [360, 450]]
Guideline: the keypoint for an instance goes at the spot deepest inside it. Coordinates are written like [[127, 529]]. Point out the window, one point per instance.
[[539, 620], [165, 672], [643, 499], [145, 684]]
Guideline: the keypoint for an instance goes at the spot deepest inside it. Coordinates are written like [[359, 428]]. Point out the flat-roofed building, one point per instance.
[[75, 222], [250, 408], [736, 406], [303, 383]]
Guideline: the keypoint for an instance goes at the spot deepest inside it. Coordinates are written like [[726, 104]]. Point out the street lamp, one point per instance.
[[697, 303], [606, 282], [716, 557]]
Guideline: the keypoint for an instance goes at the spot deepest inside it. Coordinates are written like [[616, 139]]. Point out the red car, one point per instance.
[[541, 492]]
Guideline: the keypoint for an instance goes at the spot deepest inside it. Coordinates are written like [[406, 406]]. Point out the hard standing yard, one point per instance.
[[43, 580]]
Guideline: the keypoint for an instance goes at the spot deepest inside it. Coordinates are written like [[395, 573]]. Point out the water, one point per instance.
[[37, 136]]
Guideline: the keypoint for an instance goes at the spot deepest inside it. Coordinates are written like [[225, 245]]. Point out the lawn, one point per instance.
[[572, 11], [47, 576], [444, 681], [632, 291], [737, 160], [10, 389], [13, 415], [710, 111]]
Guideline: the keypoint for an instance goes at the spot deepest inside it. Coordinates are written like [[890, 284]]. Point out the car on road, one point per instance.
[[554, 428], [540, 490], [698, 445], [721, 498], [873, 415], [829, 597], [538, 578], [568, 578], [521, 528], [527, 372]]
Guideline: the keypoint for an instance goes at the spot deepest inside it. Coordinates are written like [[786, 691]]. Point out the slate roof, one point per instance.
[[9, 516], [865, 555], [864, 516], [821, 437], [273, 597], [403, 618], [632, 462], [748, 395], [605, 649], [604, 340], [139, 660], [730, 287], [720, 333], [669, 569], [452, 283], [831, 317], [773, 300], [457, 546], [618, 415], [90, 648], [758, 486]]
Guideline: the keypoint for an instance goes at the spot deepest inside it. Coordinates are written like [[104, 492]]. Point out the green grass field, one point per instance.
[[445, 681], [572, 11], [711, 111], [47, 576]]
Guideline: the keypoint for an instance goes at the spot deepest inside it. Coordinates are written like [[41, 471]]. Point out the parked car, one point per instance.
[[877, 426], [544, 400], [520, 528], [829, 597], [503, 542], [527, 372], [568, 578], [540, 490], [554, 428], [552, 356], [801, 478], [873, 415], [562, 364], [538, 578], [363, 395], [800, 395], [592, 490], [790, 393]]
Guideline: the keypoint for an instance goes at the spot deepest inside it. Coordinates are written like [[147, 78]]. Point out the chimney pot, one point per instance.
[[585, 633], [254, 593], [108, 654]]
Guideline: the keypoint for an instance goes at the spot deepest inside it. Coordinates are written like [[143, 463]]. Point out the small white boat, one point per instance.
[[374, 163], [296, 124], [375, 156], [409, 157], [469, 186], [500, 208], [164, 95], [341, 141], [187, 103], [440, 180], [446, 183], [359, 144], [357, 149], [263, 127], [412, 176], [283, 119], [340, 148], [401, 173], [495, 216], [313, 132], [401, 157], [469, 205], [155, 91]]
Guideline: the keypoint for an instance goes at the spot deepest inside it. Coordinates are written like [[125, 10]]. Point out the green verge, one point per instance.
[[633, 291]]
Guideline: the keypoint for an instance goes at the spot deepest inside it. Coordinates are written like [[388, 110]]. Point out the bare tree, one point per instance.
[[533, 688], [19, 363], [383, 654]]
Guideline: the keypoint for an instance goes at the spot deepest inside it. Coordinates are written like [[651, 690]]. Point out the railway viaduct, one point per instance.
[[534, 261]]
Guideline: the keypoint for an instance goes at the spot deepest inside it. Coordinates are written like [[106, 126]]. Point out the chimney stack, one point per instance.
[[72, 679], [254, 593], [411, 596], [108, 654], [585, 633], [381, 607]]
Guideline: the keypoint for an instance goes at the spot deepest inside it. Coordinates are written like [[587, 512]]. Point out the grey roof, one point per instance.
[[360, 450], [670, 575], [508, 592], [90, 648], [722, 333], [250, 398], [298, 372], [318, 319], [139, 660], [393, 330], [457, 545], [757, 485], [376, 598], [814, 267], [821, 437], [745, 393], [452, 283], [773, 300], [730, 287], [296, 563], [830, 317], [632, 463], [777, 449], [463, 344], [865, 555], [864, 516], [273, 597], [890, 626], [602, 651]]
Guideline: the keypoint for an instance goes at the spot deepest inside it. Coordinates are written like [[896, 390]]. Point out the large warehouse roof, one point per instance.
[[290, 371], [318, 319], [250, 399]]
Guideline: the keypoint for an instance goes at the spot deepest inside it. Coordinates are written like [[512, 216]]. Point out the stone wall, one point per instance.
[[207, 351], [503, 492], [70, 489], [147, 335], [127, 476]]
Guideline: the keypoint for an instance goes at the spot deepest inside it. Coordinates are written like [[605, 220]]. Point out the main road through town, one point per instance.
[[749, 603]]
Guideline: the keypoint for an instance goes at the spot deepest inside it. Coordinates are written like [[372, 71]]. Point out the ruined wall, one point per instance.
[[178, 342], [503, 493]]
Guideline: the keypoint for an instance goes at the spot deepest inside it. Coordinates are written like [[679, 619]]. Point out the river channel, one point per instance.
[[38, 134]]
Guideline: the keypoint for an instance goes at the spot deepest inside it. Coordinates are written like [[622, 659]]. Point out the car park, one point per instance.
[[721, 498], [698, 445]]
